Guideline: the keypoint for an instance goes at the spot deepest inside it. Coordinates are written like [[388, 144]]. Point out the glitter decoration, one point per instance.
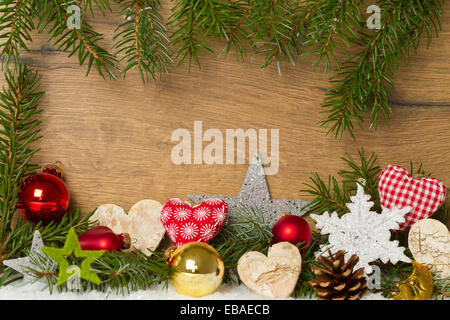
[[363, 232], [255, 193], [26, 264]]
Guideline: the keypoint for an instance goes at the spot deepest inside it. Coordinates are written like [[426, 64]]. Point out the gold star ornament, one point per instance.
[[72, 246]]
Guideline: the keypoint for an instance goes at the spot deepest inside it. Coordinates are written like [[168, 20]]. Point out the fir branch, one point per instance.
[[125, 272], [18, 242], [332, 26], [143, 38], [245, 230], [362, 83], [120, 272], [188, 36], [19, 128], [327, 197], [83, 42], [441, 287], [303, 287], [16, 22], [334, 196], [102, 5], [273, 24], [238, 32]]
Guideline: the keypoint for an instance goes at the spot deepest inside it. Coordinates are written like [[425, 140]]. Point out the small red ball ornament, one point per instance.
[[293, 229], [103, 238], [43, 197]]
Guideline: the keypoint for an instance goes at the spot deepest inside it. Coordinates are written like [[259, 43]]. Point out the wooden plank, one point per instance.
[[114, 137]]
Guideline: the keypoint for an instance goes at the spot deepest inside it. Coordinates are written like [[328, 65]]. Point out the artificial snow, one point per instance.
[[38, 291]]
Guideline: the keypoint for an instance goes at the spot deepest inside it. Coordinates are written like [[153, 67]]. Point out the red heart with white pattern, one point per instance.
[[185, 223], [398, 188]]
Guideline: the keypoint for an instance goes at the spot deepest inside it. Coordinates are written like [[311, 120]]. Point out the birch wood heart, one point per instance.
[[142, 223], [429, 242], [274, 276]]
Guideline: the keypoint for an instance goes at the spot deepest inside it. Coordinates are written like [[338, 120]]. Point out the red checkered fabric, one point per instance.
[[398, 188]]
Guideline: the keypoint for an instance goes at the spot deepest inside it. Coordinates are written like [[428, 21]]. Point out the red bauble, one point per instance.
[[43, 197], [103, 238], [293, 229]]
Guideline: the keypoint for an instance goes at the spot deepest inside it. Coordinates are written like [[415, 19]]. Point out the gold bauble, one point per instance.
[[418, 286], [196, 269]]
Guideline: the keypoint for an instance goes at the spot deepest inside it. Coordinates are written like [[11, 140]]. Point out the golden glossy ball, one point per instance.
[[197, 269]]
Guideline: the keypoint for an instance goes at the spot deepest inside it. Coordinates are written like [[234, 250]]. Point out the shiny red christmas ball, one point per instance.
[[43, 197], [103, 238], [293, 229]]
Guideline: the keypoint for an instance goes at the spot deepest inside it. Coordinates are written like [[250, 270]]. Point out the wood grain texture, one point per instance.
[[114, 137]]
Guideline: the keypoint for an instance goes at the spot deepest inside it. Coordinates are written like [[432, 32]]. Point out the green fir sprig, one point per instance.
[[143, 39], [282, 30], [330, 29], [82, 42], [362, 84], [16, 22], [19, 240], [19, 100], [334, 195], [303, 288]]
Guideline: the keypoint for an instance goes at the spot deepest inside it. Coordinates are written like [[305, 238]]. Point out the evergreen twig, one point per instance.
[[19, 129], [83, 42], [143, 39], [332, 25], [19, 240], [16, 22], [363, 81], [334, 196]]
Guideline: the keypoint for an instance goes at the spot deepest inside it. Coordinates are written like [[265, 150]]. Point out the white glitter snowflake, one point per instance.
[[189, 230], [201, 214], [182, 214], [363, 232]]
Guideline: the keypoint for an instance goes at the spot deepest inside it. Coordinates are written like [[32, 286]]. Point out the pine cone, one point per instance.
[[338, 281]]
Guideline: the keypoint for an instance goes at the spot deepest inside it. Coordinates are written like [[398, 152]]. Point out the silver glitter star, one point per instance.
[[23, 265], [255, 193]]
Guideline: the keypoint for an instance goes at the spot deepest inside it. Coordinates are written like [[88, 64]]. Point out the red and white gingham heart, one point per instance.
[[185, 223], [398, 188]]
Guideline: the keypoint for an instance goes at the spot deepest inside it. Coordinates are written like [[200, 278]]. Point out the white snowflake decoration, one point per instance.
[[364, 232]]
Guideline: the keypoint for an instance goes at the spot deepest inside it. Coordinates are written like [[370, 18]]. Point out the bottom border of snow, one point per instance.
[[38, 291]]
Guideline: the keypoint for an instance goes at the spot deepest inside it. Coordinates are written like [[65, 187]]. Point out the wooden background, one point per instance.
[[114, 137]]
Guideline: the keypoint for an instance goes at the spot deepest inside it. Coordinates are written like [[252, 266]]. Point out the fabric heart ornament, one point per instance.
[[429, 242], [398, 188], [274, 276], [142, 223], [186, 223]]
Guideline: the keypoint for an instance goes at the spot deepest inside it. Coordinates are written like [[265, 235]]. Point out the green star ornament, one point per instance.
[[73, 246]]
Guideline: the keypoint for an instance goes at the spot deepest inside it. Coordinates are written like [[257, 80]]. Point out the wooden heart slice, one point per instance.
[[143, 223], [274, 276], [429, 242]]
